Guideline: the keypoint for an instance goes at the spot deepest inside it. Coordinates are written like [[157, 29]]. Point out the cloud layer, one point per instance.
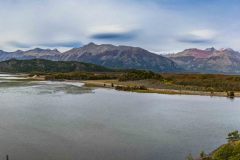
[[207, 37], [157, 25]]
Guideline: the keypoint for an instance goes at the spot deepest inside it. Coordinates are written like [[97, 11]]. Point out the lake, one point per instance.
[[67, 121]]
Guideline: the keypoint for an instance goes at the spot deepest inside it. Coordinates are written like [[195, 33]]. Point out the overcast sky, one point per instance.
[[157, 25]]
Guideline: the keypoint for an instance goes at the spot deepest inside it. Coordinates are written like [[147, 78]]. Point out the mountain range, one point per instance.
[[117, 57], [210, 60]]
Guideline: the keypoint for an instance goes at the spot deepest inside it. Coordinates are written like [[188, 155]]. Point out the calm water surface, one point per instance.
[[66, 121]]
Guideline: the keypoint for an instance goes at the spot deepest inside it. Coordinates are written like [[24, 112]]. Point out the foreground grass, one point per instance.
[[229, 151]]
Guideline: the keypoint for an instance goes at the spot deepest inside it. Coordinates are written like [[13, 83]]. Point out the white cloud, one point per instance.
[[203, 33], [108, 29]]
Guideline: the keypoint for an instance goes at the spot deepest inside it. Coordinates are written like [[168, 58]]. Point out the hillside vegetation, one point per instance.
[[47, 66]]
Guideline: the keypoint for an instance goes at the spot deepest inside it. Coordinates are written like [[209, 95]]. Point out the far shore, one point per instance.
[[113, 83]]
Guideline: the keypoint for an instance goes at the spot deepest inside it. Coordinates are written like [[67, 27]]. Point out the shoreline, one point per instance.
[[108, 84]]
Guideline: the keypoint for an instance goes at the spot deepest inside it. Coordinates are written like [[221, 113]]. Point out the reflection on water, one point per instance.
[[55, 121], [41, 87]]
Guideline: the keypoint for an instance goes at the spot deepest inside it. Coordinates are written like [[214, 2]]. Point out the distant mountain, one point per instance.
[[30, 54], [39, 53], [120, 57], [209, 60], [40, 65]]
